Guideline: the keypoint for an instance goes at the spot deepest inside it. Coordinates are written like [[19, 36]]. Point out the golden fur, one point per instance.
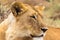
[[52, 34], [22, 22]]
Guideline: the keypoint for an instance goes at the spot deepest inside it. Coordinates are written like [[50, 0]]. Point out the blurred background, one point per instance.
[[51, 12]]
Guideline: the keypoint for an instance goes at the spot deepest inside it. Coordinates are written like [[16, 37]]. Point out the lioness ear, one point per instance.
[[17, 8], [40, 9]]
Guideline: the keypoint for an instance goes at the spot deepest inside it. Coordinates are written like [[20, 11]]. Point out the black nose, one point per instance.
[[44, 29]]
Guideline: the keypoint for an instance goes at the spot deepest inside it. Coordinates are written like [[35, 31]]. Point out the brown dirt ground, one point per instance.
[[53, 34]]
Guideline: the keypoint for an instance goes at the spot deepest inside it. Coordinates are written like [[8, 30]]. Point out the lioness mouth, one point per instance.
[[37, 36]]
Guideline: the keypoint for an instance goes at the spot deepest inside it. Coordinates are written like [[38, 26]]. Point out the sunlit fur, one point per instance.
[[52, 34]]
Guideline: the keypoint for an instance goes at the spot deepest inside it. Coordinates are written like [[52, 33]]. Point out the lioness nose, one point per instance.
[[44, 29]]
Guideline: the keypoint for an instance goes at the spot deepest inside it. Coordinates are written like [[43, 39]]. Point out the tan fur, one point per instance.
[[4, 26], [52, 34], [20, 24]]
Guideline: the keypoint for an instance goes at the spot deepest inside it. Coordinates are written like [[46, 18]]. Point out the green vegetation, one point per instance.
[[49, 0], [3, 12], [52, 11]]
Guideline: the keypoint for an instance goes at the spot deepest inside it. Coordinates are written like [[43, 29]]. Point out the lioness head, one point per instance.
[[27, 21]]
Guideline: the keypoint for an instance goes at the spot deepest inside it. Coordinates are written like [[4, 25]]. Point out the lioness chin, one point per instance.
[[23, 23]]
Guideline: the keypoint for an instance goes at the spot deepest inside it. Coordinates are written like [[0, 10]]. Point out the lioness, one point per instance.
[[23, 23]]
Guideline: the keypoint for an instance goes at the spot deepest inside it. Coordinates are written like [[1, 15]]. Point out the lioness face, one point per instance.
[[28, 21]]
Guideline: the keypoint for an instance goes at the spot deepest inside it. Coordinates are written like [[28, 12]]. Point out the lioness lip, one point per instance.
[[37, 36]]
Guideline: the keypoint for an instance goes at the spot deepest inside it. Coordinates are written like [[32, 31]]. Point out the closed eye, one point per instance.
[[33, 17]]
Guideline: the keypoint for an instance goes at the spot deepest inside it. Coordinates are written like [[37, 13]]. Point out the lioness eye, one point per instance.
[[33, 16]]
